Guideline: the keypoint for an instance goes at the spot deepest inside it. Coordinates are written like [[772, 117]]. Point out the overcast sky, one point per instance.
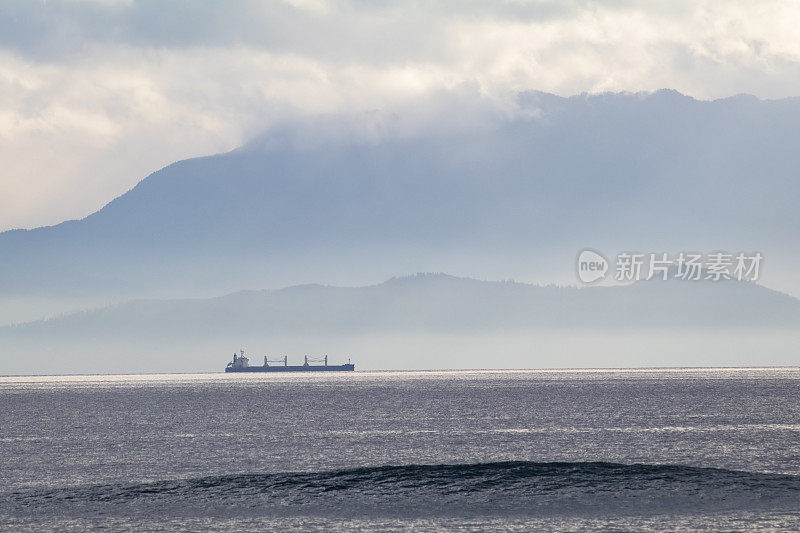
[[95, 95]]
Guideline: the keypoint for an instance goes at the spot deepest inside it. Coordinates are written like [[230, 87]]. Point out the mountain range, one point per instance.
[[435, 303], [329, 211], [427, 314], [652, 172]]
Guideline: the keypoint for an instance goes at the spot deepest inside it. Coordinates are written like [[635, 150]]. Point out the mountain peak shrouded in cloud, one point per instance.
[[657, 172], [94, 95]]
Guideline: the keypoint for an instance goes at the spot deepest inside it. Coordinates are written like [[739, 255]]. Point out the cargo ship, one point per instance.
[[241, 363]]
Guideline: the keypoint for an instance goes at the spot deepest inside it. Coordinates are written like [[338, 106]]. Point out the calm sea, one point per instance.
[[573, 450]]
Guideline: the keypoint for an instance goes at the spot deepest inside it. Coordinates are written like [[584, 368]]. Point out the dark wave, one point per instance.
[[496, 489]]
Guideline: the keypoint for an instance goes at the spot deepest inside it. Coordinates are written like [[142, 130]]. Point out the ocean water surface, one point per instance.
[[469, 450]]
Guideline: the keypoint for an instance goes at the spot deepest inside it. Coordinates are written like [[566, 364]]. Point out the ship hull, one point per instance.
[[300, 368]]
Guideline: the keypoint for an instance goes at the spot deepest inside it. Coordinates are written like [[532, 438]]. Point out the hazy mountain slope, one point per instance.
[[431, 303], [653, 171], [424, 321]]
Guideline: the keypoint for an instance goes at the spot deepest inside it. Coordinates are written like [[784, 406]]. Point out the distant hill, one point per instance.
[[423, 321], [433, 303], [660, 172]]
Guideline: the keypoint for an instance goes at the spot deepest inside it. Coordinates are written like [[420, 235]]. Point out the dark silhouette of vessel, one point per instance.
[[241, 363]]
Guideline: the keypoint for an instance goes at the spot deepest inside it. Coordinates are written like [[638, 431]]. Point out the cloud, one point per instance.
[[94, 95]]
